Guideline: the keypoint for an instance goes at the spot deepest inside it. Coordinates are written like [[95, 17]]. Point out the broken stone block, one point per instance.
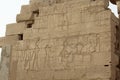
[[19, 28], [25, 14], [24, 17]]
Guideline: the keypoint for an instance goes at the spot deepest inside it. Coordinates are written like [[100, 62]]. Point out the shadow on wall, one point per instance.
[[0, 53], [113, 9]]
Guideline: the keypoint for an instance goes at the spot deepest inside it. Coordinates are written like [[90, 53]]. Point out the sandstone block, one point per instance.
[[63, 40], [25, 14], [2, 41], [19, 28], [24, 17], [5, 62], [9, 40]]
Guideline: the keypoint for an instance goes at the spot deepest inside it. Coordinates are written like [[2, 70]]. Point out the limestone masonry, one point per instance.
[[62, 40]]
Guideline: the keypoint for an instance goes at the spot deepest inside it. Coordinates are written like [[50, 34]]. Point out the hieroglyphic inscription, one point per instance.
[[59, 53]]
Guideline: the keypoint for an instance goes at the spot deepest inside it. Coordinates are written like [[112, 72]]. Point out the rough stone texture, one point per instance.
[[25, 14], [8, 40], [64, 40], [118, 42], [16, 28], [5, 62]]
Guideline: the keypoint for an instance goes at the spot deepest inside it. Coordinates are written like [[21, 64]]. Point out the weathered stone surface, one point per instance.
[[24, 17], [9, 40], [64, 40], [5, 62], [19, 28], [25, 14]]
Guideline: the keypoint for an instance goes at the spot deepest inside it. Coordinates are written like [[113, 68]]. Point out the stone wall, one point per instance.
[[118, 42], [63, 40], [5, 62]]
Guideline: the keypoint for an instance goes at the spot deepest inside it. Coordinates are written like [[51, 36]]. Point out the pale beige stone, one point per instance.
[[19, 28], [24, 17], [9, 40], [5, 62], [25, 14], [64, 40]]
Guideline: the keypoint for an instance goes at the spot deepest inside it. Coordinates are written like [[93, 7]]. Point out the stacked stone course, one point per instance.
[[62, 40]]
